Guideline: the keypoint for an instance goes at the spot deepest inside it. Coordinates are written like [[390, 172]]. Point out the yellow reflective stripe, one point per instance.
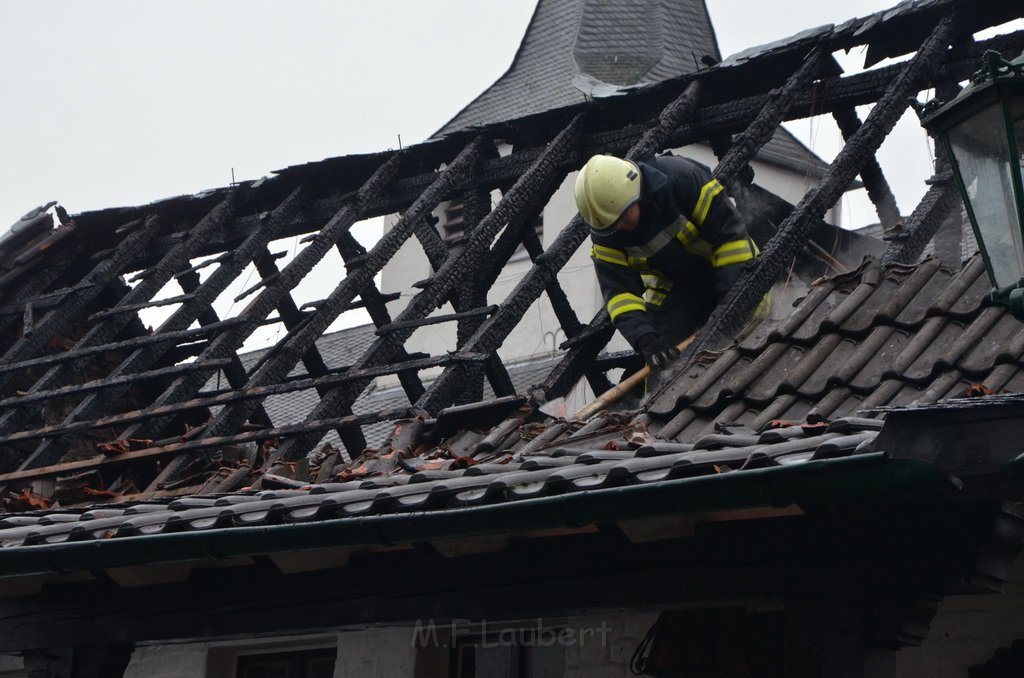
[[689, 236], [609, 254], [624, 303], [639, 263], [656, 289], [688, 233], [707, 194], [658, 241], [654, 297], [733, 252], [656, 281]]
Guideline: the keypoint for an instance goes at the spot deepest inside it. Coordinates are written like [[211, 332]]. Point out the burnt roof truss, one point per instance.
[[85, 387]]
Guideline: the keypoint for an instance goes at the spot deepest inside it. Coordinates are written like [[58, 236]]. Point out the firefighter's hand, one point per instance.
[[658, 353]]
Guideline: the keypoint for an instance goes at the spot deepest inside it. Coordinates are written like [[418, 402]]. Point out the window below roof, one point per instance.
[[453, 225], [299, 664], [510, 653]]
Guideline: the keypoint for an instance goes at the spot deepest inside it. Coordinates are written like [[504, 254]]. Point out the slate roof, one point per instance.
[[339, 349], [622, 43], [619, 43]]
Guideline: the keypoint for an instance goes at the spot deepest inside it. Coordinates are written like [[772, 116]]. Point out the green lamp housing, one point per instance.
[[982, 130]]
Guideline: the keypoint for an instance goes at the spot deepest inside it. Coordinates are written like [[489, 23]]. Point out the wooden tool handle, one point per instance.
[[615, 393]]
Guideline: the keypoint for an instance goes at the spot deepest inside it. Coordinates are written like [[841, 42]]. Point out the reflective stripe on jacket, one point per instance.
[[689, 235]]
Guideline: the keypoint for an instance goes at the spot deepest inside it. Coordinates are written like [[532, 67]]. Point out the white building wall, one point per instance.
[[168, 661], [597, 646], [967, 631], [363, 653], [610, 655]]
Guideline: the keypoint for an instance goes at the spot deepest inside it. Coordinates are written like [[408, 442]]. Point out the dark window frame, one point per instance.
[[298, 663], [453, 225], [463, 652]]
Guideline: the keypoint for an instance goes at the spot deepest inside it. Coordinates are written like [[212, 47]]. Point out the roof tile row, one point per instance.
[[557, 469], [908, 335]]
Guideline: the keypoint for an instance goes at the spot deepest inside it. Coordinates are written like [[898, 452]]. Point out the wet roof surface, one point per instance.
[[96, 408], [787, 394], [911, 335]]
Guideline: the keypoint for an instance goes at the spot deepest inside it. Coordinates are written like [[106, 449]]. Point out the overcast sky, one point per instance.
[[109, 103]]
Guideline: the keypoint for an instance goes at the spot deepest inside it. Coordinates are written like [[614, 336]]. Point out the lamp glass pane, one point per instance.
[[983, 155]]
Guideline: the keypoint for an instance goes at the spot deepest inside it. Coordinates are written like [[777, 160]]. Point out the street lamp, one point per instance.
[[982, 130]]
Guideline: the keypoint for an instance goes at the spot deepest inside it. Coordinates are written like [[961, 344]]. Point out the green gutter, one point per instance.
[[827, 481]]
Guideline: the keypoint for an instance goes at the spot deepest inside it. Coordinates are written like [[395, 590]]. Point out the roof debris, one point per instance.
[[95, 407]]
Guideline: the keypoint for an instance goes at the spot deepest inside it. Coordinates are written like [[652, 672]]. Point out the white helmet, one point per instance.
[[605, 188]]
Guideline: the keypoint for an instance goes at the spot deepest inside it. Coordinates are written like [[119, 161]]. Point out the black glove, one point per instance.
[[657, 352]]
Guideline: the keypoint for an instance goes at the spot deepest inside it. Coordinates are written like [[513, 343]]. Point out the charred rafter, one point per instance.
[[732, 313], [141, 389]]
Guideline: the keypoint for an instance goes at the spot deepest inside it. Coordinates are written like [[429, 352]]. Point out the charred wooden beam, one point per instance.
[[213, 261], [75, 304], [560, 303], [44, 301], [131, 308], [234, 395], [100, 384], [532, 190], [764, 125], [376, 307], [142, 358], [506, 245], [871, 173], [472, 296], [493, 332], [234, 370], [579, 361], [435, 320], [173, 449], [76, 353], [430, 240], [311, 359], [941, 199], [38, 282], [948, 240], [739, 304], [827, 96], [359, 303], [358, 279]]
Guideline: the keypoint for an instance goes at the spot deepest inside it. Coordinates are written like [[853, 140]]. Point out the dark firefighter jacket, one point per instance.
[[689, 243]]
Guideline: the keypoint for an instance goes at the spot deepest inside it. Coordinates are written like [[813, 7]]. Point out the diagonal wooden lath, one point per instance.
[[531, 191], [408, 181], [731, 314]]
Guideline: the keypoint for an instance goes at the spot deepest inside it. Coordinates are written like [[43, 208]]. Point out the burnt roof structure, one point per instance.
[[92, 395], [118, 452]]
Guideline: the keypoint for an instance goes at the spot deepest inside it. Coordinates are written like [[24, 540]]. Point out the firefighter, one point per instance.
[[667, 245]]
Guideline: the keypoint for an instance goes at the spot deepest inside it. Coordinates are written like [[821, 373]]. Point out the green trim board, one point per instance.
[[871, 476]]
